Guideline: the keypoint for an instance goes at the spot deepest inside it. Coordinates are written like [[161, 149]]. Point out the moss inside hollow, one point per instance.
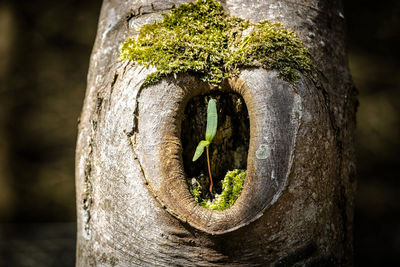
[[200, 39], [232, 186]]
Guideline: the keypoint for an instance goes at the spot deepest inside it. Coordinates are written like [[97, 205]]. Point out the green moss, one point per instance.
[[200, 39], [232, 186]]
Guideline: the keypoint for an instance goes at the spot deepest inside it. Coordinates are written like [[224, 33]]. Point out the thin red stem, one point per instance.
[[209, 169]]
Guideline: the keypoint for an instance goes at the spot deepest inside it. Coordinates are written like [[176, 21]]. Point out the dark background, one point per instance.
[[44, 55]]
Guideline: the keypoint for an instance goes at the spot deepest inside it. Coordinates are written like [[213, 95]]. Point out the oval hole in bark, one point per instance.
[[274, 110], [229, 148]]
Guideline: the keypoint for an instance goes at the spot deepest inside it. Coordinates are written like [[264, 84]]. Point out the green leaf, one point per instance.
[[212, 120], [200, 149]]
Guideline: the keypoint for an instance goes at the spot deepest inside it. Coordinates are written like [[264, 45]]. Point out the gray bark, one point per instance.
[[133, 204]]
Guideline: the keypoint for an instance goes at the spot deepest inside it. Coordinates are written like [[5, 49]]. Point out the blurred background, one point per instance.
[[44, 54]]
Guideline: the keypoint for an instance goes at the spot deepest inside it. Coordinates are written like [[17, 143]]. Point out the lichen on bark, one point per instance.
[[201, 39]]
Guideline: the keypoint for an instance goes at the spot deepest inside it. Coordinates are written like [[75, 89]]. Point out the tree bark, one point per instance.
[[133, 204]]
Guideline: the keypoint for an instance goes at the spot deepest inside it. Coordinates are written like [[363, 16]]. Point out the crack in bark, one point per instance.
[[99, 104], [114, 80], [135, 128], [153, 7], [87, 199]]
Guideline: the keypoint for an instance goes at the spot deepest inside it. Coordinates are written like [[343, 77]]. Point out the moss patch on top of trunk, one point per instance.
[[232, 186], [200, 39]]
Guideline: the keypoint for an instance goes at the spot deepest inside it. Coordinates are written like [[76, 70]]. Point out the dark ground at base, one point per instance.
[[44, 244]]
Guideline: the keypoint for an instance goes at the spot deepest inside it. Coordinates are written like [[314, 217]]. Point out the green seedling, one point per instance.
[[211, 130]]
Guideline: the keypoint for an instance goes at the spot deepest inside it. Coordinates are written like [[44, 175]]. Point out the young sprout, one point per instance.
[[212, 122]]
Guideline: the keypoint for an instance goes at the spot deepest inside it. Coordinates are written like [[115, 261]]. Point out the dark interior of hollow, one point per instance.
[[229, 148]]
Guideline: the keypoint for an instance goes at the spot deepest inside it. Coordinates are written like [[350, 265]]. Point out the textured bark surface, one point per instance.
[[134, 207]]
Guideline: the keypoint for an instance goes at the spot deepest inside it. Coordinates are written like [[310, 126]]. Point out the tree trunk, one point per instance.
[[133, 204]]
